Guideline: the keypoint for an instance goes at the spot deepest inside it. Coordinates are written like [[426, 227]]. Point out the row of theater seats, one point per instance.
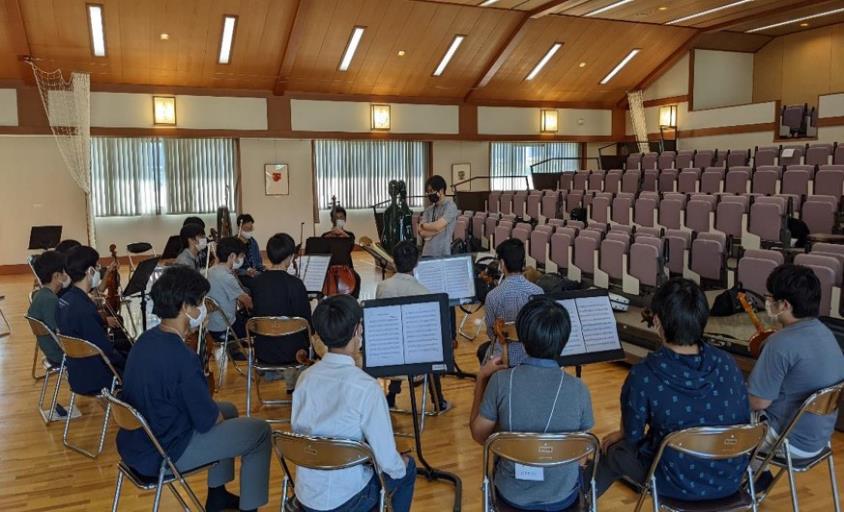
[[809, 154], [634, 259]]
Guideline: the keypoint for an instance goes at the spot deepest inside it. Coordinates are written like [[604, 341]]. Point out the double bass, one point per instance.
[[757, 341]]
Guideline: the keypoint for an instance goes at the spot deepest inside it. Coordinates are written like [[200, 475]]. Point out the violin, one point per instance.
[[206, 354], [499, 328], [757, 341]]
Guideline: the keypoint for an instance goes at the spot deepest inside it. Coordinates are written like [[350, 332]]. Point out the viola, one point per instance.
[[206, 354], [757, 341], [499, 329]]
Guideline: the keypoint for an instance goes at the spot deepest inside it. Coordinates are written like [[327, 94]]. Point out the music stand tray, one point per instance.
[[44, 237], [140, 277], [340, 249], [172, 248]]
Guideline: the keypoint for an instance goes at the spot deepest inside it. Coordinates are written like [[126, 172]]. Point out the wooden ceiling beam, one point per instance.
[[758, 16], [294, 42], [18, 39], [554, 6], [500, 56]]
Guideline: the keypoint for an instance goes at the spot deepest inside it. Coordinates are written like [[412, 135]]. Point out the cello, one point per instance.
[[757, 341], [340, 279]]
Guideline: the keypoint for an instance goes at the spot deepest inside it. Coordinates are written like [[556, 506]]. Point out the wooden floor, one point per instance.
[[37, 473]]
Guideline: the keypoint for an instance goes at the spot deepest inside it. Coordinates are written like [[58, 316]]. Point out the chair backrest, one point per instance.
[[666, 159], [77, 348], [541, 450], [214, 308], [716, 443], [738, 157], [276, 326], [737, 179], [684, 159], [39, 328]]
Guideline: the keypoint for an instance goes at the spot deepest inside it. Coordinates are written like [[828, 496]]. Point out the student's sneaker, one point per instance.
[[391, 400], [445, 406], [61, 413]]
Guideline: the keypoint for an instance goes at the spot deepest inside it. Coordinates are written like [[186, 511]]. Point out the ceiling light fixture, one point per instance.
[[804, 18], [541, 64], [487, 3], [401, 53], [608, 7], [226, 41], [621, 65], [455, 44], [582, 65], [95, 24], [708, 11], [351, 48], [164, 36], [663, 8]]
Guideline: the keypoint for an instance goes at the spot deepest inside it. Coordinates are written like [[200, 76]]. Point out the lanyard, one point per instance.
[[510, 401]]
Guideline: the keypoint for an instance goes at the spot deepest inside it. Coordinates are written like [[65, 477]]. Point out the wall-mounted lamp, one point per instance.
[[668, 115], [164, 110], [380, 117], [548, 121]]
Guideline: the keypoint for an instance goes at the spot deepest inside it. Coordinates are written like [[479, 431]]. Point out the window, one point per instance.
[[358, 171], [153, 175], [515, 159]]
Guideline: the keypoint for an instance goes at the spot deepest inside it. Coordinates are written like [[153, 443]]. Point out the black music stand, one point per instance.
[[42, 238], [340, 248], [413, 370], [138, 285], [172, 248]]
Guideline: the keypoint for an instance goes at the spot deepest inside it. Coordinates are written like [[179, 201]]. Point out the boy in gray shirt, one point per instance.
[[226, 290], [438, 220], [535, 396], [798, 360]]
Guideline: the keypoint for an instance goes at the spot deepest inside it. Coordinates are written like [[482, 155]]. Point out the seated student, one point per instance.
[[686, 383], [275, 292], [66, 245], [49, 267], [506, 300], [799, 359], [338, 225], [334, 398], [194, 220], [253, 264], [78, 317], [165, 382], [227, 292], [402, 284], [534, 396], [194, 241]]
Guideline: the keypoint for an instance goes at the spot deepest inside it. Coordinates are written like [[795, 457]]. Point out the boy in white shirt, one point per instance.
[[336, 399]]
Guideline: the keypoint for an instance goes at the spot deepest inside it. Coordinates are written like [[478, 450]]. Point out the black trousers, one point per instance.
[[622, 460]]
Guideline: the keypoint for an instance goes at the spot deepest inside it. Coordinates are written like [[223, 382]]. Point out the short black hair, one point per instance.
[[512, 253], [194, 220], [65, 246], [436, 182], [244, 218], [335, 320], [79, 260], [682, 309], [543, 327], [336, 210], [189, 232], [48, 264], [279, 247], [177, 285], [405, 256], [228, 246], [799, 286]]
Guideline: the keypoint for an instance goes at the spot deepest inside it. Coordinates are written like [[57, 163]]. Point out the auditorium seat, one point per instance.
[[630, 181], [796, 157], [818, 154], [596, 181], [828, 270], [622, 206], [738, 158], [803, 167], [793, 120], [576, 224], [671, 214], [492, 201], [830, 180], [766, 156], [703, 158], [509, 217], [648, 231], [679, 245], [479, 225], [707, 259], [720, 159], [731, 216], [519, 201], [700, 215], [585, 246], [649, 161], [559, 252], [489, 228], [666, 160], [502, 232], [550, 204], [818, 212], [566, 180], [574, 199], [587, 198], [461, 229], [737, 180], [649, 179], [538, 247], [667, 180], [688, 180], [505, 203], [533, 203], [633, 161], [796, 181], [645, 210], [599, 211], [684, 159], [580, 180], [765, 180], [838, 159], [624, 228], [612, 181], [755, 266], [612, 259], [645, 264], [766, 220], [522, 232], [712, 180]]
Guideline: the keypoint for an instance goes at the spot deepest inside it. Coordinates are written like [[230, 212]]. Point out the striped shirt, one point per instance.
[[505, 301]]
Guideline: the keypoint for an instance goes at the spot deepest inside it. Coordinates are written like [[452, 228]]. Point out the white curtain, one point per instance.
[[126, 176], [199, 174], [515, 159]]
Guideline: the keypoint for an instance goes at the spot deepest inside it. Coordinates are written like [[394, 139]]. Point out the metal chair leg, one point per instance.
[[791, 481], [8, 330], [35, 364], [192, 495], [249, 371], [654, 494], [157, 502], [836, 498], [104, 431], [56, 395], [178, 497], [117, 488]]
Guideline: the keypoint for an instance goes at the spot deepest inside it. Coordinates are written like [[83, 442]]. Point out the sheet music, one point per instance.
[[383, 336], [453, 276], [593, 327], [312, 270], [423, 341]]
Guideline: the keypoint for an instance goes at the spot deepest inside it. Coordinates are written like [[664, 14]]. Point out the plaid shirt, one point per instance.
[[505, 301]]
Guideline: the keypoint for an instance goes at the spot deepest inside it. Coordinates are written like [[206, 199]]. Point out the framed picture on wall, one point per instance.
[[461, 172], [276, 180]]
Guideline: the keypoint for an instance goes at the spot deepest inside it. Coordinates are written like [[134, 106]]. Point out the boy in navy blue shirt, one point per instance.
[[684, 384], [165, 381], [78, 317]]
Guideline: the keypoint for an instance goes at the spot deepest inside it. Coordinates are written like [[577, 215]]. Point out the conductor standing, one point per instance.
[[437, 227]]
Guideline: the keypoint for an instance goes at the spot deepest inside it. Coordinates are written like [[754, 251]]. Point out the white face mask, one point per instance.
[[246, 234], [202, 244], [341, 223], [196, 322], [66, 282], [96, 279], [237, 263], [769, 310]]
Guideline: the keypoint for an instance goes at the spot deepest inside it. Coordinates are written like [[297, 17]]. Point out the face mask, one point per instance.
[[433, 197], [246, 234], [237, 263], [66, 282], [196, 322], [202, 244], [95, 278], [770, 310], [341, 223]]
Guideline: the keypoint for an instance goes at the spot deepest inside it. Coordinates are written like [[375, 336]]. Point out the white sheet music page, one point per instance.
[[312, 270], [575, 344], [598, 324], [431, 274], [459, 281], [383, 336], [423, 338]]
